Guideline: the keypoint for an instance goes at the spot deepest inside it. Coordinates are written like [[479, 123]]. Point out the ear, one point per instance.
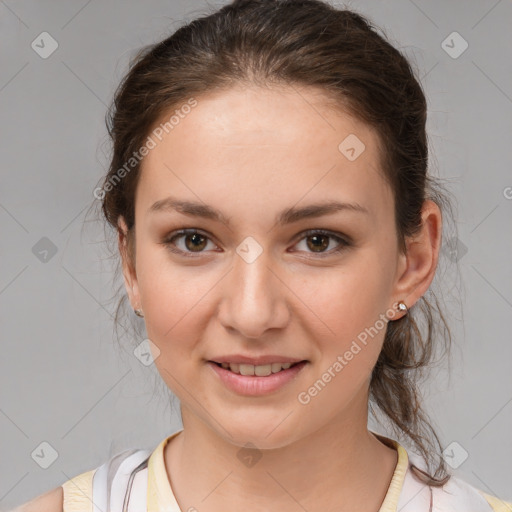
[[129, 274], [416, 268]]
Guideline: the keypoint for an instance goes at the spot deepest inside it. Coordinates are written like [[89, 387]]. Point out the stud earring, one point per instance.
[[138, 312], [401, 306]]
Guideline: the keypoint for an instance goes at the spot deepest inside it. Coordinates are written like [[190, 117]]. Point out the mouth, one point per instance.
[[263, 370], [252, 381]]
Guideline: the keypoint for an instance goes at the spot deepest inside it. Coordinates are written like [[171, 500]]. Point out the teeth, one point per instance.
[[276, 367], [260, 371], [248, 369]]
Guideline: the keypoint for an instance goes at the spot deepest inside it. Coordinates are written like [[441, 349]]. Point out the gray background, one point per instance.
[[63, 380]]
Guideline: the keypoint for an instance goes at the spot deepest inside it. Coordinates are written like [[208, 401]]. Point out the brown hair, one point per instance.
[[308, 43]]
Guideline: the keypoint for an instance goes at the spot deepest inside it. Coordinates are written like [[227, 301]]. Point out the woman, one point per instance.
[[278, 231]]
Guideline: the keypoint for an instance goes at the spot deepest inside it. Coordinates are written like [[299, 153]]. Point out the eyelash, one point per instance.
[[169, 241]]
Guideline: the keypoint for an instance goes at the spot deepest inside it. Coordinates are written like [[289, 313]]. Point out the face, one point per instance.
[[265, 278]]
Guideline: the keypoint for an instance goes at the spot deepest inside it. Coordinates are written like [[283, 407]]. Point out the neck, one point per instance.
[[341, 467]]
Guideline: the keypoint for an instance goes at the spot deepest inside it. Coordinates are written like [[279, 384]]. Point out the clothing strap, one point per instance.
[[112, 482]]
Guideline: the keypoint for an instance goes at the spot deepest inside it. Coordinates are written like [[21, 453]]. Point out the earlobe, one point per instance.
[[417, 273]]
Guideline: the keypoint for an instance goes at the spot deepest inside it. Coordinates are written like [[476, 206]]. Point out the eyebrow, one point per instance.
[[287, 216]]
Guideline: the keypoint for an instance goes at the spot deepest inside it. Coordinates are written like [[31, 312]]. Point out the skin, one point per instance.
[[252, 152], [50, 501]]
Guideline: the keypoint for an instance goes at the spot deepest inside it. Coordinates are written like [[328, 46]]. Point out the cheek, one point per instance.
[[349, 299], [175, 310], [349, 327], [176, 320], [176, 307], [350, 306]]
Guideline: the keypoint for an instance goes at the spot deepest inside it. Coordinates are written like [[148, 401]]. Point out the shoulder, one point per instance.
[[455, 496], [77, 493], [51, 501], [73, 495], [460, 495], [496, 504]]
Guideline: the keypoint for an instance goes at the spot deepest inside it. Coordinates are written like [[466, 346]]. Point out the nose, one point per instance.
[[254, 297]]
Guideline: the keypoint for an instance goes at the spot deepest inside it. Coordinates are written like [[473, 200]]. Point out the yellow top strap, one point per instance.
[[497, 504], [390, 503], [160, 495], [78, 492]]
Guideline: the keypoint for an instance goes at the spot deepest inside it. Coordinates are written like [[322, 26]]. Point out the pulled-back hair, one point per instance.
[[305, 43]]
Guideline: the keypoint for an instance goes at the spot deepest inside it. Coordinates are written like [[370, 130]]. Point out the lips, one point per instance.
[[257, 385]]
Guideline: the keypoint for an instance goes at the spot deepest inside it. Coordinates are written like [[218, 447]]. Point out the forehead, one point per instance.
[[258, 146]]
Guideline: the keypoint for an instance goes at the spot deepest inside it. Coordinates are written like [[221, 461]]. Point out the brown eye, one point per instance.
[[197, 242], [319, 242], [193, 242]]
